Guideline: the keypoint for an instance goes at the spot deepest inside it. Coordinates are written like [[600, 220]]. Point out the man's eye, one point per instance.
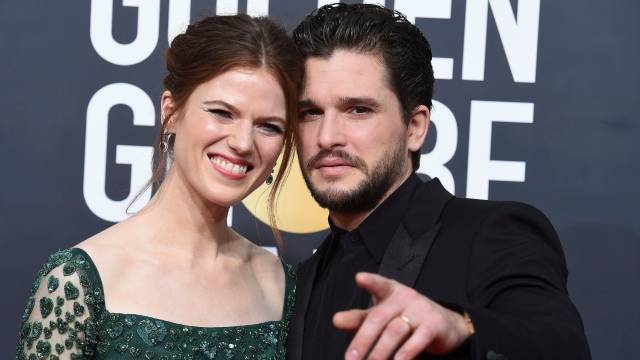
[[360, 110], [220, 113], [309, 114]]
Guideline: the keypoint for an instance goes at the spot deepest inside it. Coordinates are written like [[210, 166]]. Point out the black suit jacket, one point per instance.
[[502, 262]]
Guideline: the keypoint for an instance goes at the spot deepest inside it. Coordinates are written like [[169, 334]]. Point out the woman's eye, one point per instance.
[[272, 128], [220, 113]]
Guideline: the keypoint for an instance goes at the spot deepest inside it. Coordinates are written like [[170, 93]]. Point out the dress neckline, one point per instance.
[[283, 316]]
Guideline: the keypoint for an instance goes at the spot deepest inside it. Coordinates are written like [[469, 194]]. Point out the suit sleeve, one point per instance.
[[520, 307]]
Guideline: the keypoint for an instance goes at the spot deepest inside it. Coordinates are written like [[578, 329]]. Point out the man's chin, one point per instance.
[[335, 186], [334, 190], [331, 198], [337, 197]]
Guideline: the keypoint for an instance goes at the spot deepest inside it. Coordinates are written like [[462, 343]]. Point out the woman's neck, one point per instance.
[[186, 224]]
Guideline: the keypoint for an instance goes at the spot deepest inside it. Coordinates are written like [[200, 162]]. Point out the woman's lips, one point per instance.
[[231, 168]]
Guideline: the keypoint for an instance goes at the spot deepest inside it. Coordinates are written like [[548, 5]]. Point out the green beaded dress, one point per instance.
[[66, 318]]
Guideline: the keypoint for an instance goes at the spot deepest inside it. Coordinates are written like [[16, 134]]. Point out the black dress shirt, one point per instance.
[[349, 253]]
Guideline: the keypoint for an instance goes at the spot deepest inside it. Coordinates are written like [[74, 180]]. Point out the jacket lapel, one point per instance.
[[408, 249], [404, 256]]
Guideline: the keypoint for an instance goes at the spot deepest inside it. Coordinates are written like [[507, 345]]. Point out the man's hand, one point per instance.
[[401, 319]]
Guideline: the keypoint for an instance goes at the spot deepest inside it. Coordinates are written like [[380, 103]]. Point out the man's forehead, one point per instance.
[[347, 57], [345, 73]]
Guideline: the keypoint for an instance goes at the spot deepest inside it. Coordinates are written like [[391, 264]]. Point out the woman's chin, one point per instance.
[[225, 196]]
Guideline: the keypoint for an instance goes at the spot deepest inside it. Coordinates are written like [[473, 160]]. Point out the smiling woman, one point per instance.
[[173, 281], [228, 134]]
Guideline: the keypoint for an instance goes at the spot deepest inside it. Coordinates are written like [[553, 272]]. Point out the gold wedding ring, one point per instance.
[[407, 320]]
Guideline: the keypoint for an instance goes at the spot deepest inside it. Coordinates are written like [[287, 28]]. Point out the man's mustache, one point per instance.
[[351, 160]]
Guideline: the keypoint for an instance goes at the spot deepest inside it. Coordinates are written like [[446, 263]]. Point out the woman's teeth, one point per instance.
[[230, 167]]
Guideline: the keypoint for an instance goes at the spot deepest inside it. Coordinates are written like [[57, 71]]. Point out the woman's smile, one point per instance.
[[231, 168]]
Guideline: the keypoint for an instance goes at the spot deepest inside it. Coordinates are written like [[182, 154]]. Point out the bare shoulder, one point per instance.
[[110, 248], [265, 260], [103, 240], [266, 266]]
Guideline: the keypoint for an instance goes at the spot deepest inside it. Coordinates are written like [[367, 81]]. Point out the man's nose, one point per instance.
[[330, 132]]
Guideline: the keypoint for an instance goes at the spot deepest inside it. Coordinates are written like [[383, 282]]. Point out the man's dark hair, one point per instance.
[[368, 28]]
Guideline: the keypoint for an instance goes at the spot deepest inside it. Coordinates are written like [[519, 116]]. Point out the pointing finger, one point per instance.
[[349, 320], [378, 286]]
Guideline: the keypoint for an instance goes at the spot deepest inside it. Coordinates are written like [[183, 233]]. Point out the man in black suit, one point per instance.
[[437, 276]]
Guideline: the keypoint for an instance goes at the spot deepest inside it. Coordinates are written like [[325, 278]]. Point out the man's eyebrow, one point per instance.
[[359, 101], [306, 103], [345, 101]]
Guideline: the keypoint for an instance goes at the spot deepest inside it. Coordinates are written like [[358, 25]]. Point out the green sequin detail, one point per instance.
[[52, 284], [68, 269], [79, 326], [152, 332], [69, 317], [46, 305], [43, 348], [61, 325], [115, 331], [129, 320], [84, 280], [89, 331], [28, 309], [36, 330], [73, 333], [134, 352], [70, 291], [25, 329], [78, 310]]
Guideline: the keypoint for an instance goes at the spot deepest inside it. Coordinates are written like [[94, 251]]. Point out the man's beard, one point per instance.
[[367, 194]]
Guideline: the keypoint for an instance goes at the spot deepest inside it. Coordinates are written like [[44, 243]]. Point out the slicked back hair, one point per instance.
[[373, 29]]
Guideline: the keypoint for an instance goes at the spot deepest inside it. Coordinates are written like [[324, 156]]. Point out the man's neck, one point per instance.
[[351, 220]]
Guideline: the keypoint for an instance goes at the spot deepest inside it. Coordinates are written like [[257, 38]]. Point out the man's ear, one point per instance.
[[168, 111], [418, 127]]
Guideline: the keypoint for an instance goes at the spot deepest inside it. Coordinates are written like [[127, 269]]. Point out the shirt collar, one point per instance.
[[379, 227]]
